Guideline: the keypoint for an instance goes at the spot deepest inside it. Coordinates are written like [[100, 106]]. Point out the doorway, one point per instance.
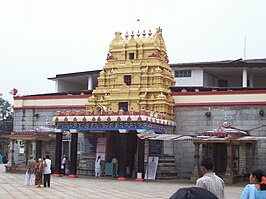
[[114, 150], [220, 157]]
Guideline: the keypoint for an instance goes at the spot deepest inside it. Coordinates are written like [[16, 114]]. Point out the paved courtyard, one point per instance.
[[11, 186]]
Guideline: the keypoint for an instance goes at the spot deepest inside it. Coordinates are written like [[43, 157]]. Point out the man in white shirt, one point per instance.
[[210, 180], [47, 171]]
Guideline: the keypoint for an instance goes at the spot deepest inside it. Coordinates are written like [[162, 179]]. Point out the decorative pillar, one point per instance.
[[195, 173], [141, 148], [58, 153], [73, 154], [229, 171], [122, 156], [34, 143]]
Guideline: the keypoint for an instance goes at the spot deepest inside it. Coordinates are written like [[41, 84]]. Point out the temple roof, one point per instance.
[[225, 130]]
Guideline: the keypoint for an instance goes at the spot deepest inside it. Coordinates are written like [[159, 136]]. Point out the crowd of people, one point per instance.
[[211, 186], [41, 170]]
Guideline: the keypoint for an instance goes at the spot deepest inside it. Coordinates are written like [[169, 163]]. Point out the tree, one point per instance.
[[6, 116], [6, 109]]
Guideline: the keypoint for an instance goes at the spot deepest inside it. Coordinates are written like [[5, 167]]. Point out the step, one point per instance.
[[166, 164]]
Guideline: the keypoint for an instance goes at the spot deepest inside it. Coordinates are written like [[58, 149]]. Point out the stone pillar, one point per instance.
[[122, 156], [73, 155], [229, 172], [58, 153], [195, 173], [141, 151], [11, 162], [34, 143], [244, 77]]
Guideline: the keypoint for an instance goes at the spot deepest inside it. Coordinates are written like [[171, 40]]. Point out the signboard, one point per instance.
[[151, 169], [101, 148], [21, 150]]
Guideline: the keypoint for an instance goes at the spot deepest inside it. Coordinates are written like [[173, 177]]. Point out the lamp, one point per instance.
[[208, 114], [261, 113], [36, 115]]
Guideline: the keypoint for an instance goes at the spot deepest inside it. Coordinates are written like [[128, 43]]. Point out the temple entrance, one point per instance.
[[114, 141], [220, 157], [131, 154], [115, 148]]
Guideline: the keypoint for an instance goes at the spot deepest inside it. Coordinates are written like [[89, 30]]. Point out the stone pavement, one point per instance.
[[11, 186]]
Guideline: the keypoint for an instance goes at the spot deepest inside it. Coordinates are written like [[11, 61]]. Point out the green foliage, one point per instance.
[[6, 109]]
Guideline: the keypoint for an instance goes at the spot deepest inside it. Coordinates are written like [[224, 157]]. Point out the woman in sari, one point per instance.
[[39, 172]]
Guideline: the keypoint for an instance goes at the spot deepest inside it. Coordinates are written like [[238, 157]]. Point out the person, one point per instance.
[[193, 193], [67, 166], [31, 164], [115, 161], [47, 171], [5, 158], [210, 180], [257, 188], [39, 172], [98, 167], [63, 165], [1, 158]]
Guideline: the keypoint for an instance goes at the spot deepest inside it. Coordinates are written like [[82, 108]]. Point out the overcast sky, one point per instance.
[[42, 38]]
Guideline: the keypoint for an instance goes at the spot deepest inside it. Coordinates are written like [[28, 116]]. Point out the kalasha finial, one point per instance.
[[138, 34], [149, 33], [143, 34], [132, 34], [126, 34]]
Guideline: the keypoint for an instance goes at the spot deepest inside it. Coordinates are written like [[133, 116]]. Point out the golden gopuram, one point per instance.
[[136, 77]]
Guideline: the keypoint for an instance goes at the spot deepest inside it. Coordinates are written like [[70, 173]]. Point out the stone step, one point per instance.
[[166, 164], [166, 177], [166, 172], [171, 169]]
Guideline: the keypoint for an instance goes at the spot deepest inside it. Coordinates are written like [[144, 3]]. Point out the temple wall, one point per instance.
[[192, 119], [29, 119], [189, 120]]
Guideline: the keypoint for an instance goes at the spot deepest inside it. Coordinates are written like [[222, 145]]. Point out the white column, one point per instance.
[[56, 86], [34, 143], [90, 82], [244, 77]]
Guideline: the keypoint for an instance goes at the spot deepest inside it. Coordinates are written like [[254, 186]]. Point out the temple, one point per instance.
[[133, 96]]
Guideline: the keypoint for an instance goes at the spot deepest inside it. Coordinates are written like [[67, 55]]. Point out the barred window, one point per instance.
[[127, 80], [182, 73]]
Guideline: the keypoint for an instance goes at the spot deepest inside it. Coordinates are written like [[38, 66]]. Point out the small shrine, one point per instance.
[[230, 149]]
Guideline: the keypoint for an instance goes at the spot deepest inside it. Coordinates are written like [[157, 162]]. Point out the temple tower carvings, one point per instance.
[[136, 77]]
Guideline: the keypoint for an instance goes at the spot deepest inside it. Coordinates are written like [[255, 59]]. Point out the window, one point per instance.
[[222, 83], [127, 80], [182, 73], [131, 55], [123, 105]]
